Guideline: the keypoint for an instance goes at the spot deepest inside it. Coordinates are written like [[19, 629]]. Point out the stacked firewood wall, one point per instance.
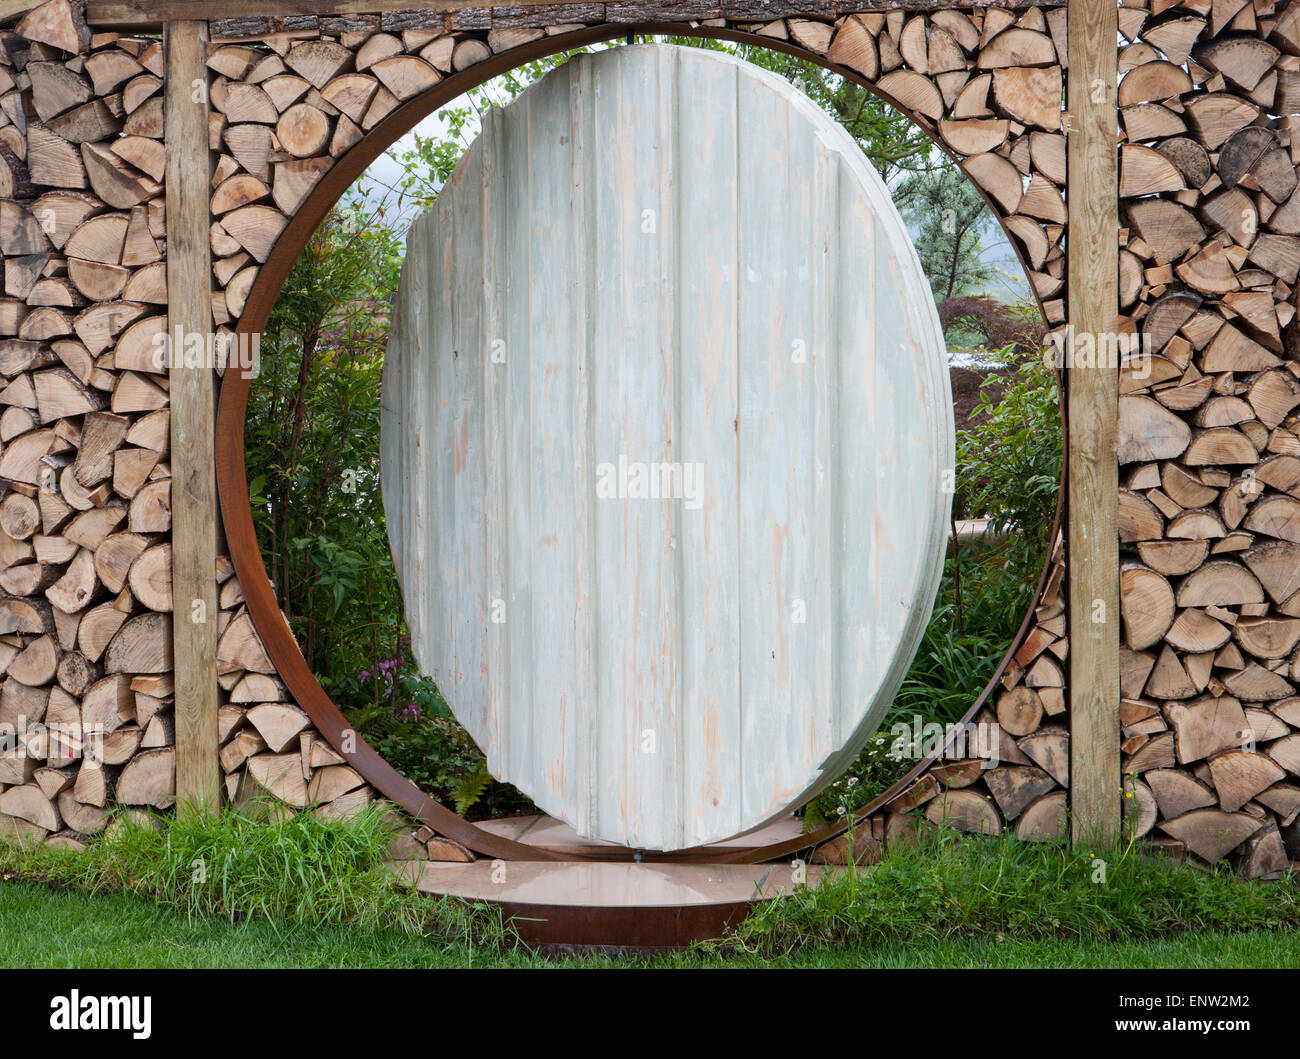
[[1208, 445], [85, 558], [87, 554], [1210, 605]]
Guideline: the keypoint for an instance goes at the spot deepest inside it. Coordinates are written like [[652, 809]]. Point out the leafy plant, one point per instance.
[[1009, 460], [470, 788], [311, 444]]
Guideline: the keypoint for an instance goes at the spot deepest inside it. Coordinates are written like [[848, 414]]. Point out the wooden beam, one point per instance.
[[128, 13], [193, 464], [1092, 536], [131, 11]]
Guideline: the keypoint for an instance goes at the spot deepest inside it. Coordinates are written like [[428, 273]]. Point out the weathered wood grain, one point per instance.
[[728, 292], [1093, 534], [194, 502], [131, 12]]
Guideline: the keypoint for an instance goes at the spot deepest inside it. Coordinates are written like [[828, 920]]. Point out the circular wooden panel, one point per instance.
[[667, 429]]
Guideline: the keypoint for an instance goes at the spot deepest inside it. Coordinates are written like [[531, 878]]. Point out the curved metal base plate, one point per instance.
[[583, 904]]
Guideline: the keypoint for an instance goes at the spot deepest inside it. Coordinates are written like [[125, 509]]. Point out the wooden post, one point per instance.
[[194, 501], [1092, 537]]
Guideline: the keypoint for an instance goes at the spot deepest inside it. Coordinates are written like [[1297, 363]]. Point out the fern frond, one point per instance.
[[469, 789]]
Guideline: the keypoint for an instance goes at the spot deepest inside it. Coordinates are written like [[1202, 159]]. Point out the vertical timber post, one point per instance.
[[1092, 540], [193, 463]]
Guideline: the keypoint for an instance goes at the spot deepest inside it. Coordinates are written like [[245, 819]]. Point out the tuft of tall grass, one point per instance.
[[953, 886], [251, 862]]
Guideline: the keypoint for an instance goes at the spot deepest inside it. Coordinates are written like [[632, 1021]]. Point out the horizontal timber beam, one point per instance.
[[135, 13]]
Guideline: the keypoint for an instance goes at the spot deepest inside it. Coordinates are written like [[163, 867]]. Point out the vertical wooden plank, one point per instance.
[[513, 208], [556, 467], [501, 613], [708, 357], [816, 624], [634, 424], [585, 766], [776, 473], [1092, 537], [467, 544], [853, 478], [194, 502], [433, 382]]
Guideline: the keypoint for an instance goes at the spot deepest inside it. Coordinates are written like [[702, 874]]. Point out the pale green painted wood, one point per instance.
[[666, 256]]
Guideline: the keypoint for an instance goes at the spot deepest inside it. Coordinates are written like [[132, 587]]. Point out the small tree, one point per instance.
[[951, 218], [312, 422]]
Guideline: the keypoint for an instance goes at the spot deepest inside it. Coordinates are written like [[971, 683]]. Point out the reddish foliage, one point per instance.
[[996, 323], [359, 327]]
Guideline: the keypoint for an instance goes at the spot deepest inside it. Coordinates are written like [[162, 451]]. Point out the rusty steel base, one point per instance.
[[561, 905]]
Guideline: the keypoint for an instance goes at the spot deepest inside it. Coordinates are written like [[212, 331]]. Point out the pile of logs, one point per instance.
[[286, 107], [1208, 444], [267, 743], [86, 689], [85, 558]]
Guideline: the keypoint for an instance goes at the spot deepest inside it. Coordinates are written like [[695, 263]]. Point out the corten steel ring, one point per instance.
[[237, 516]]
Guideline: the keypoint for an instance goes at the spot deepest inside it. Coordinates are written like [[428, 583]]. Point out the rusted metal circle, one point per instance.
[[233, 482]]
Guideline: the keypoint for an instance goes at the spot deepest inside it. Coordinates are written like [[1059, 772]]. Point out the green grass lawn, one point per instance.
[[41, 927], [241, 890]]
